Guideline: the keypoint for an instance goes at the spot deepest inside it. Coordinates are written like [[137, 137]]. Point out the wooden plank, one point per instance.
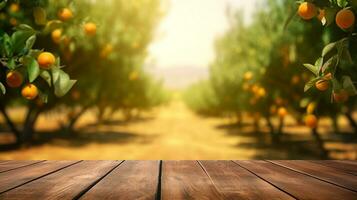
[[131, 180], [186, 180], [349, 167], [234, 182], [20, 176], [14, 164], [322, 172], [64, 184], [298, 185]]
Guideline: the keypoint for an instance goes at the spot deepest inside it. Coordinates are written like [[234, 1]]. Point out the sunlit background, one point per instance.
[[174, 79]]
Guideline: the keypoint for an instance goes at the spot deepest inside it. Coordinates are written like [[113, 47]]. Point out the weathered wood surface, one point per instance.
[[178, 180]]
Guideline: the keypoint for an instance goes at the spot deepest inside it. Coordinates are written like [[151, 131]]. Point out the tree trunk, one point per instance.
[[11, 125], [334, 119], [239, 118], [72, 121], [270, 125], [29, 125], [320, 143], [351, 121]]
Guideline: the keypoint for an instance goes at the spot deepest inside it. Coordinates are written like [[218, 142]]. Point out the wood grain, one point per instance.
[[131, 180], [14, 164], [64, 184], [325, 173], [347, 166], [186, 180], [298, 185], [234, 182], [17, 177]]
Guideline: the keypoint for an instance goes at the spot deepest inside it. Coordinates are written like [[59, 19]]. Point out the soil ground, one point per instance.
[[175, 132]]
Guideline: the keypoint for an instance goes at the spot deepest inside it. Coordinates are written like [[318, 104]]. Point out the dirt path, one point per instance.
[[174, 133]]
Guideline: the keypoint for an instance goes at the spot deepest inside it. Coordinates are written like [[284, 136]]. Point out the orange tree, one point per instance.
[[334, 70], [29, 75], [107, 53], [254, 64]]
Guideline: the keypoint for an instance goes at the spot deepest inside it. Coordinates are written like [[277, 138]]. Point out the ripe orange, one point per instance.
[[248, 76], [311, 108], [56, 36], [295, 80], [14, 79], [30, 91], [65, 14], [14, 7], [282, 112], [13, 21], [90, 28], [345, 18], [46, 60], [322, 85], [307, 10], [340, 96], [261, 92], [311, 121], [108, 48]]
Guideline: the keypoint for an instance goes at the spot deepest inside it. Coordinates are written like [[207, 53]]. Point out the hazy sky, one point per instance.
[[186, 35]]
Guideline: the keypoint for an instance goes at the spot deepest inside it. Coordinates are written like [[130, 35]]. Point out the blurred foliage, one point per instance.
[[101, 44], [259, 70]]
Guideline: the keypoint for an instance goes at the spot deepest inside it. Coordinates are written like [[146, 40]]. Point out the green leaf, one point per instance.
[[11, 63], [330, 64], [47, 77], [19, 39], [62, 82], [30, 42], [310, 84], [328, 48], [40, 16], [33, 70], [24, 27], [312, 68], [342, 3], [3, 4], [52, 25], [7, 45], [2, 88]]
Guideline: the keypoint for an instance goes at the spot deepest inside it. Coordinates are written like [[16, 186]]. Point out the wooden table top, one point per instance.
[[178, 180]]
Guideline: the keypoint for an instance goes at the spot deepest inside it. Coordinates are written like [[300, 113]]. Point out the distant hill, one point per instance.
[[179, 77]]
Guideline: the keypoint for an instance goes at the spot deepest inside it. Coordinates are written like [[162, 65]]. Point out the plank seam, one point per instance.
[[39, 177], [158, 191], [80, 194], [266, 180], [312, 176], [209, 177], [23, 166]]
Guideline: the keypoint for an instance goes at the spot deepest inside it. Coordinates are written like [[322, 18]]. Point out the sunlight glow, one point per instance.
[[187, 33]]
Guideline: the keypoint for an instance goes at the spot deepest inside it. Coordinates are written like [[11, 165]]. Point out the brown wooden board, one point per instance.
[[10, 165], [67, 183], [186, 180], [131, 180], [298, 185], [20, 176], [234, 182], [322, 172], [347, 166]]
